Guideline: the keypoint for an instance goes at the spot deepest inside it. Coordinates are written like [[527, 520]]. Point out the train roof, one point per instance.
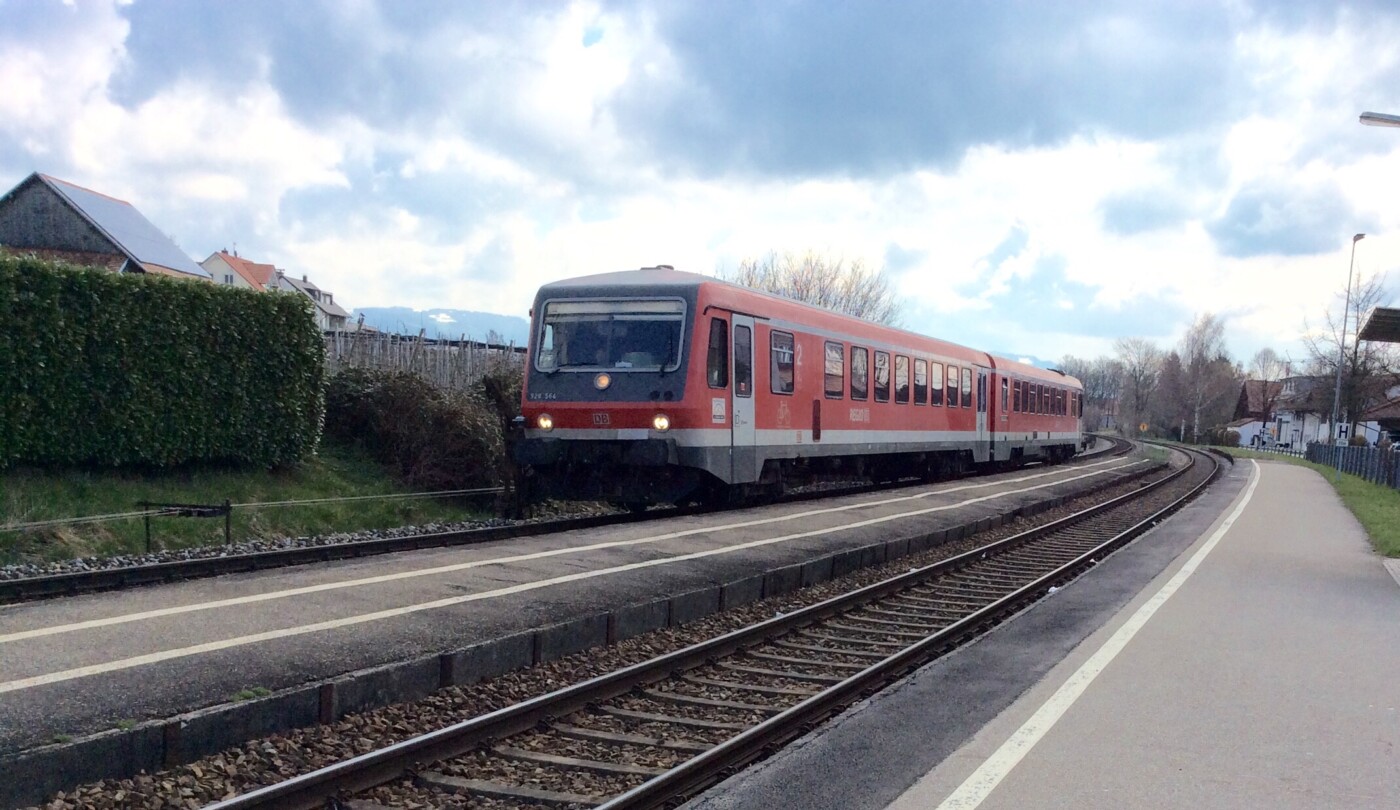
[[1049, 375], [660, 276]]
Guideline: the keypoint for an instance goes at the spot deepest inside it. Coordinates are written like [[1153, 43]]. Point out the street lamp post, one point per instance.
[[1341, 356]]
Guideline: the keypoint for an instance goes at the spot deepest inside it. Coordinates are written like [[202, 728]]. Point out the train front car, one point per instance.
[[604, 402]]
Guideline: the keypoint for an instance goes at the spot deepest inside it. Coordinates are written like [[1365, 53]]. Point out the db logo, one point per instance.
[[601, 419]]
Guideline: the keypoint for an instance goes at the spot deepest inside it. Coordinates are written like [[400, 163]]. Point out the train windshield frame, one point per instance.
[[611, 334]]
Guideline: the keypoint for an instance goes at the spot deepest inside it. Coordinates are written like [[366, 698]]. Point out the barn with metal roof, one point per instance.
[[58, 219]]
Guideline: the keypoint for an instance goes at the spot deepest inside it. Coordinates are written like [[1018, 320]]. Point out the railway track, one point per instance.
[[654, 732], [117, 578]]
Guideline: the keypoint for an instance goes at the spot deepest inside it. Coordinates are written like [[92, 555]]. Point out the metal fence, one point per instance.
[[1371, 463], [450, 364]]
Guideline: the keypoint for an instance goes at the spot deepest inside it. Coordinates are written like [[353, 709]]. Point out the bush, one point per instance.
[[434, 440], [1358, 441], [132, 369]]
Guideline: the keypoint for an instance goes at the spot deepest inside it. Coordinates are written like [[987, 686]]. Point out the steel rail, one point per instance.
[[368, 770], [107, 579]]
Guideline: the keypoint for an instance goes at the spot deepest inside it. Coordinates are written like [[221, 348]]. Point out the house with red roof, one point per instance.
[[235, 271], [56, 219]]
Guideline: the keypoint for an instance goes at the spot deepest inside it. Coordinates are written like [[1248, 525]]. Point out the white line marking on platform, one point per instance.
[[977, 787], [332, 624], [447, 569]]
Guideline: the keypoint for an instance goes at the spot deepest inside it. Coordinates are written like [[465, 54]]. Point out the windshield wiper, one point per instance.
[[666, 358]]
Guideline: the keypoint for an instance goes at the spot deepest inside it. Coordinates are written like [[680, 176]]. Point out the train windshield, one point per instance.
[[635, 334]]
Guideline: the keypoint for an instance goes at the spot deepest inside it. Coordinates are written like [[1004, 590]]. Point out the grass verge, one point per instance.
[[1377, 508], [28, 495]]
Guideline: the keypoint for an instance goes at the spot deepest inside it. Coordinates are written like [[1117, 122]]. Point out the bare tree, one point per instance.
[[1269, 369], [850, 288], [1141, 363], [1100, 378], [1209, 376], [1368, 367]]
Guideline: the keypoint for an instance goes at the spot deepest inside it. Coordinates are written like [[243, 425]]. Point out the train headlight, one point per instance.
[[544, 422], [602, 381], [661, 422]]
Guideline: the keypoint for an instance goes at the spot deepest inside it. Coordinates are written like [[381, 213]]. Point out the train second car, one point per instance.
[[658, 386]]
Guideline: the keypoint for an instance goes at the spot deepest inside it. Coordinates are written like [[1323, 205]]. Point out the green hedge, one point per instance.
[[129, 369]]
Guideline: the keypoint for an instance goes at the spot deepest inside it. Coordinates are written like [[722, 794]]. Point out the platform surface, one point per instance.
[[1269, 676]]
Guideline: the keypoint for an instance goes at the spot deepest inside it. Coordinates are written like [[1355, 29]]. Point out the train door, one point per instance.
[[743, 456], [983, 439]]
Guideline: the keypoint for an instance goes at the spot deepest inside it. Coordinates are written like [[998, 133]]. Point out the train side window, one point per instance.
[[743, 361], [1044, 400], [717, 364], [1015, 396], [1005, 396], [860, 372], [952, 386], [920, 382], [967, 388], [834, 364], [882, 376], [935, 393], [901, 379], [783, 365]]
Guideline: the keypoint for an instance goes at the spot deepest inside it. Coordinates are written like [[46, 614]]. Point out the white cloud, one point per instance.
[[564, 192]]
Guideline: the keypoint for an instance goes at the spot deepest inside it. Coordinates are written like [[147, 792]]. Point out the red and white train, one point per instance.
[[657, 386]]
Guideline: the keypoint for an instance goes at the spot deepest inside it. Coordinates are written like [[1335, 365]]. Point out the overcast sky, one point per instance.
[[1039, 178]]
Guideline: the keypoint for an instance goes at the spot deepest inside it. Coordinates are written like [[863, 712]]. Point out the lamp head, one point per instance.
[[1358, 237]]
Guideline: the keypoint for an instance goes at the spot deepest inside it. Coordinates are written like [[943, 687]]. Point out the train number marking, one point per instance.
[[860, 415]]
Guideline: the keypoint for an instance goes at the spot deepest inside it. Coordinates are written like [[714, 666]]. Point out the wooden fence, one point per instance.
[[449, 364]]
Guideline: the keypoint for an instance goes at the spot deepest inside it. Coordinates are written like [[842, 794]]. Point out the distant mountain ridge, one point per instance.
[[445, 323]]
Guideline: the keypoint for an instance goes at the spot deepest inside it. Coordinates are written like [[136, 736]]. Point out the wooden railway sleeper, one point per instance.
[[556, 761], [614, 738], [781, 691], [806, 662], [877, 631], [888, 645], [693, 700], [858, 616], [792, 645], [814, 677], [919, 615], [670, 719]]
